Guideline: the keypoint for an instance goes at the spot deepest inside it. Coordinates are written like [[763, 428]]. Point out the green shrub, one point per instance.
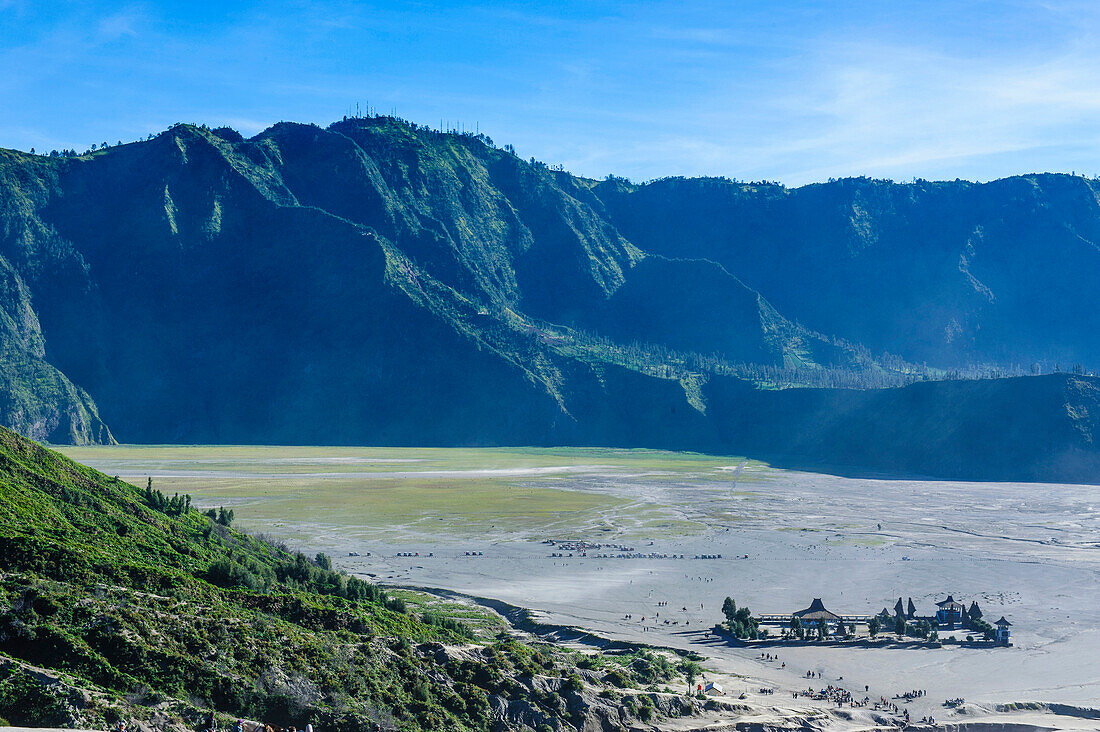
[[419, 691], [436, 619], [25, 701], [617, 677], [226, 572]]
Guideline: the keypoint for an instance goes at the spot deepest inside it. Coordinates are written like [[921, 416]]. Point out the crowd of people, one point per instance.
[[584, 546], [581, 549], [836, 694], [884, 704], [842, 697], [638, 555]]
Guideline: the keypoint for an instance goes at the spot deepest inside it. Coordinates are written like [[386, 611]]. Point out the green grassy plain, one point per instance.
[[278, 458], [398, 493]]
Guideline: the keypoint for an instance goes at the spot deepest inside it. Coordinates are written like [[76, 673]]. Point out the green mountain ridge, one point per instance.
[[376, 282]]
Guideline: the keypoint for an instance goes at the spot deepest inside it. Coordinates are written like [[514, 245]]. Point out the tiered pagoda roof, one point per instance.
[[816, 611]]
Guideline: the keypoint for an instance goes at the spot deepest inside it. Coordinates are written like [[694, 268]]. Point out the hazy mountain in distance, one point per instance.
[[948, 273]]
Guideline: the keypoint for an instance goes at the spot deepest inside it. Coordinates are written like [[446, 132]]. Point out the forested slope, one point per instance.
[[376, 282], [117, 603], [948, 273]]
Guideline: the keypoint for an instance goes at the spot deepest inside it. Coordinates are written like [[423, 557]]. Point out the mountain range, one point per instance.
[[378, 282]]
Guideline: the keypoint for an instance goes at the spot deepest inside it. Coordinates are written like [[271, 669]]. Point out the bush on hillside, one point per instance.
[[25, 701]]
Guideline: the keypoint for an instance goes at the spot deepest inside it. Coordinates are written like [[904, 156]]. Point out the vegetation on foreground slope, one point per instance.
[[121, 603]]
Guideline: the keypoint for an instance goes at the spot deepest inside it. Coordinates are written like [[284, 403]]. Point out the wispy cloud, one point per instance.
[[864, 105], [891, 108], [118, 25]]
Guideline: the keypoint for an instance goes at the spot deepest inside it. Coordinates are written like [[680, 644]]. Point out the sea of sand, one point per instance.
[[1029, 552], [1031, 562]]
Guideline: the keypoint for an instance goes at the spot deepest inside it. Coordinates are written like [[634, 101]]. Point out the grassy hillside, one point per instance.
[[116, 602]]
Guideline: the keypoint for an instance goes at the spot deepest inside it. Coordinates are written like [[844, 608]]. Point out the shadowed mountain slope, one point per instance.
[[949, 273], [1043, 428], [375, 282], [366, 283], [34, 394]]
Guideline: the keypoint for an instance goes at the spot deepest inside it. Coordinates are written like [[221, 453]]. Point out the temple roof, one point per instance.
[[1003, 622], [816, 611], [950, 604]]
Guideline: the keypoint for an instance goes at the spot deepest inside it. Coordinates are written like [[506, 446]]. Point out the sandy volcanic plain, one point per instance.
[[1030, 552]]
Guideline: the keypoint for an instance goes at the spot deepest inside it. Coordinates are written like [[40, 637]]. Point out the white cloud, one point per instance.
[[886, 109], [890, 107], [119, 25]]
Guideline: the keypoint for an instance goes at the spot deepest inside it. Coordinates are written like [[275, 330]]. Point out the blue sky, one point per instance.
[[789, 91]]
